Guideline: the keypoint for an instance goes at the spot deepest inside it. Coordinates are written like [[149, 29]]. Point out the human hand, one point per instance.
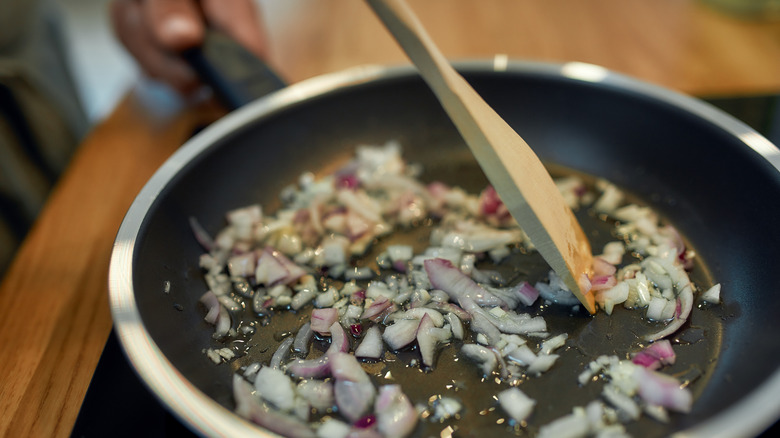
[[156, 31]]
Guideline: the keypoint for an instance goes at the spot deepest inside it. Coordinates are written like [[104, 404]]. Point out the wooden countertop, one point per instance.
[[54, 315]]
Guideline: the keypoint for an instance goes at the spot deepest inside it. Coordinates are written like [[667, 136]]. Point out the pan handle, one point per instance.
[[236, 75]]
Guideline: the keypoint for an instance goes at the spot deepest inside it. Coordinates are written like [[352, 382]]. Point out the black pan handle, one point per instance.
[[235, 74]]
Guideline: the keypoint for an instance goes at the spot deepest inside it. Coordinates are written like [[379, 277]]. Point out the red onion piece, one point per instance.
[[527, 293], [489, 201], [353, 390], [402, 333], [656, 355], [270, 271], [437, 193], [357, 226], [249, 407], [481, 324], [602, 267], [282, 424], [662, 390], [450, 308], [346, 181], [294, 272], [419, 313], [443, 275], [242, 265], [584, 283], [685, 303], [358, 297], [223, 323], [242, 395], [371, 346], [303, 338], [522, 355], [376, 308], [276, 387], [502, 369], [310, 368], [366, 422], [323, 319], [345, 367], [274, 268], [602, 282], [482, 355], [542, 363], [339, 340], [209, 299], [282, 353], [395, 414], [426, 340], [318, 393]]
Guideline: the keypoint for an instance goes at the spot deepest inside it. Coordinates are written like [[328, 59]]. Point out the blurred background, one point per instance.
[[104, 71], [102, 68]]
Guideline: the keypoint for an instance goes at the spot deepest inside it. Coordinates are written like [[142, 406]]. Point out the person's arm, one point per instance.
[[155, 31]]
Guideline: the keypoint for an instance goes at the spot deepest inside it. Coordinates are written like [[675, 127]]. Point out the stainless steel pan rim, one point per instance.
[[203, 415]]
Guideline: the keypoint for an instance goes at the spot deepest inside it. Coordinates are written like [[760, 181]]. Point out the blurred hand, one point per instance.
[[155, 31]]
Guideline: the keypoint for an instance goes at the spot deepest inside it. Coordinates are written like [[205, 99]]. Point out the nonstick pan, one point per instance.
[[714, 178]]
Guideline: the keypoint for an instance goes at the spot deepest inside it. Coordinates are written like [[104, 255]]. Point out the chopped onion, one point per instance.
[[241, 265], [428, 336], [712, 295], [450, 308], [339, 340], [395, 415], [376, 309], [522, 355], [455, 325], [518, 405], [685, 300], [223, 323], [526, 293], [282, 353], [310, 368], [655, 356], [445, 276], [303, 338], [325, 223], [323, 319], [371, 346], [401, 333], [209, 299], [552, 344], [483, 356], [332, 428], [560, 296], [574, 425], [353, 390], [608, 298], [662, 390], [275, 386], [285, 425], [621, 401]]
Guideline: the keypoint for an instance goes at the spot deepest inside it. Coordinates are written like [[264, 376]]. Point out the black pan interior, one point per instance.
[[721, 196]]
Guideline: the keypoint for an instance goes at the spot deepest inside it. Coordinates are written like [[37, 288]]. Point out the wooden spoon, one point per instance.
[[513, 169]]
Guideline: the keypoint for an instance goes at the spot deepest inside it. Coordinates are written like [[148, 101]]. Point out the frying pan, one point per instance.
[[714, 178]]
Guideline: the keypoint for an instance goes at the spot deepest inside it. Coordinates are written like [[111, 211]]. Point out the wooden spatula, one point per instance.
[[513, 169]]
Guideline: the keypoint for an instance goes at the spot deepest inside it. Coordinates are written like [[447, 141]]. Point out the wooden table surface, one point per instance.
[[54, 314]]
